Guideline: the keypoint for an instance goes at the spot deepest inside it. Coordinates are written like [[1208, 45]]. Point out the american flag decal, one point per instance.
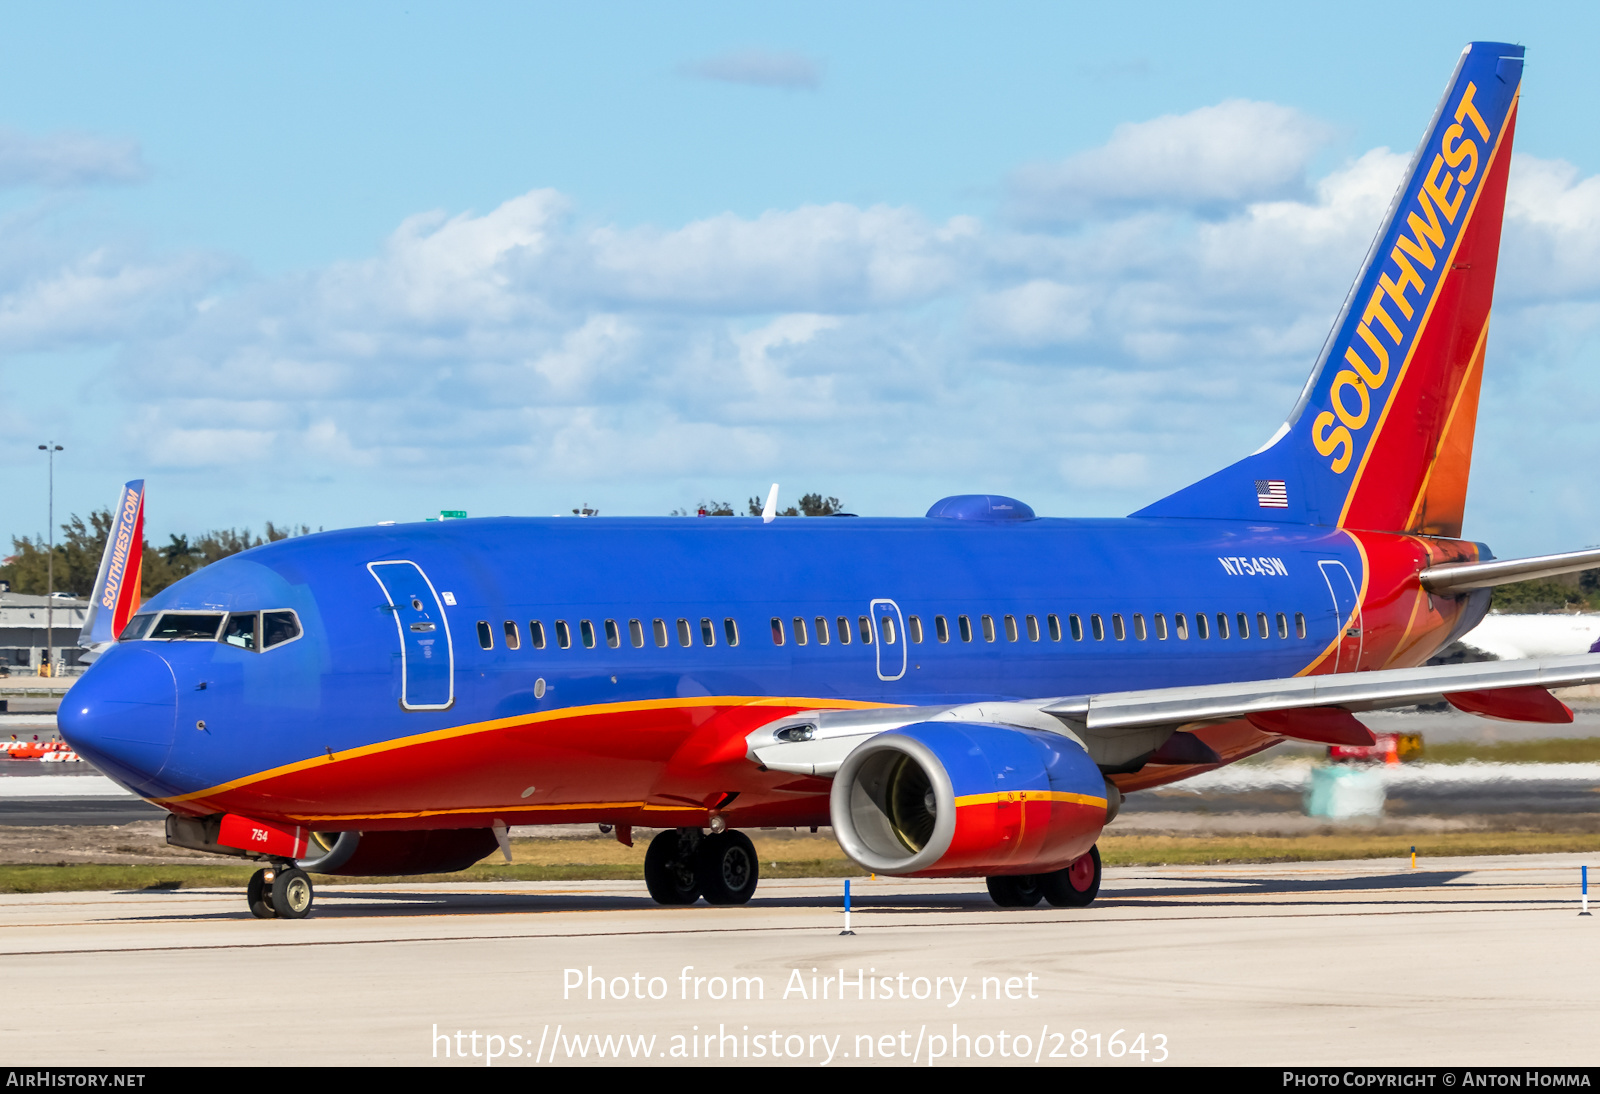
[[1272, 494]]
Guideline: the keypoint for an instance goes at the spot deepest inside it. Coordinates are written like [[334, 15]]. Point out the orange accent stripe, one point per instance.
[[1416, 339], [1030, 795], [1468, 384], [564, 713]]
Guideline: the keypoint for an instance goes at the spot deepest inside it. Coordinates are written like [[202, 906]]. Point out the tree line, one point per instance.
[[811, 505], [82, 542]]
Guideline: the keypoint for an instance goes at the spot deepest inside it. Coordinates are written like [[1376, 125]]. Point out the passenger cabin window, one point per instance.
[[730, 630], [1161, 626], [1299, 625], [1055, 628], [777, 631], [965, 625], [513, 635], [866, 629], [1098, 626], [708, 633], [1180, 623], [278, 628], [941, 628], [1244, 624], [563, 634], [1222, 624], [843, 623], [1201, 625], [914, 628], [1011, 628], [1118, 628], [186, 627], [1261, 625], [536, 634], [636, 633], [613, 634], [800, 634], [1076, 623], [586, 632], [1138, 626], [485, 635], [1283, 625], [136, 628], [886, 629], [685, 636], [822, 629], [240, 631], [1033, 628], [659, 629], [988, 628]]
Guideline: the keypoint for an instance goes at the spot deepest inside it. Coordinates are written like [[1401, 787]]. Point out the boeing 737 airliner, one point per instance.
[[970, 693]]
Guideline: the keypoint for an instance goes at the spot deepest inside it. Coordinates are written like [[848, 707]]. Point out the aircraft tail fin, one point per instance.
[[1381, 438], [116, 587]]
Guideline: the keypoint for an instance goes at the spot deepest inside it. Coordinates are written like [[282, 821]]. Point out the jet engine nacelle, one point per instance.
[[961, 799]]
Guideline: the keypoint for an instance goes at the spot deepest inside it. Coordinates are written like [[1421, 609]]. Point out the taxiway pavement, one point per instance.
[[1477, 961]]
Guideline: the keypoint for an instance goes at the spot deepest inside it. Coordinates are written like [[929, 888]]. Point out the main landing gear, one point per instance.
[[682, 865], [280, 891], [1073, 887]]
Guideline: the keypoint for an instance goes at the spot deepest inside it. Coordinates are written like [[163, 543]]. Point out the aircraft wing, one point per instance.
[[1118, 727]]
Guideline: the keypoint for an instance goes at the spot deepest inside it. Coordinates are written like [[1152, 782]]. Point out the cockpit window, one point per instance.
[[136, 628], [277, 628], [184, 626], [241, 630]]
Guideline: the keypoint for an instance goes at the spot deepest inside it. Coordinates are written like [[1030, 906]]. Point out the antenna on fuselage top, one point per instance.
[[770, 510]]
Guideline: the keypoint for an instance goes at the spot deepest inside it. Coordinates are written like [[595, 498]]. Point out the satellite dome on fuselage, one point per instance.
[[981, 507]]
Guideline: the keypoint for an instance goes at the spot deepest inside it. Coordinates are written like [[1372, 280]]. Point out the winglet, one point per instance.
[[116, 587]]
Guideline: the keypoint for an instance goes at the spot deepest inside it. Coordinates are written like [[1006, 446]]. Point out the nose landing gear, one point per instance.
[[280, 891]]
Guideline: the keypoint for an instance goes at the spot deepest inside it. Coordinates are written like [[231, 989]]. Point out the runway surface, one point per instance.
[[1461, 962]]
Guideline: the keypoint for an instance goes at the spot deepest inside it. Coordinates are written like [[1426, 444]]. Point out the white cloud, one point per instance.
[[759, 68], [1214, 156], [830, 345], [67, 159]]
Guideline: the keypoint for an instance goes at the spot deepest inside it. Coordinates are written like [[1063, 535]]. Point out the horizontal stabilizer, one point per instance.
[[1461, 577]]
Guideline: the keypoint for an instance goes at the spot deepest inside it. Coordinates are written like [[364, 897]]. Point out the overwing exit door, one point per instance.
[[427, 658], [891, 639]]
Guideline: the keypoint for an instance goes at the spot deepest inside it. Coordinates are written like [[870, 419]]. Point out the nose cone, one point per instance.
[[122, 716]]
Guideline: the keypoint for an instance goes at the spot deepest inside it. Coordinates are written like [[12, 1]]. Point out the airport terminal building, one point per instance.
[[23, 624]]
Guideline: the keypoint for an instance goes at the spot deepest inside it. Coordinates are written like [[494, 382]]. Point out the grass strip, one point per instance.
[[1115, 851], [1557, 750]]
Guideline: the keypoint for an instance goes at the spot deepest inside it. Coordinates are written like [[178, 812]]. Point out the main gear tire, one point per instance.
[[670, 879], [728, 868], [1077, 885], [1014, 890]]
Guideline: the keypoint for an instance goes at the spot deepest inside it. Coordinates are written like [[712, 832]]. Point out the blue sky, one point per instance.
[[361, 264]]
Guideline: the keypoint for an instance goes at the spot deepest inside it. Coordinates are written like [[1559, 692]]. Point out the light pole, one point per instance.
[[50, 567]]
